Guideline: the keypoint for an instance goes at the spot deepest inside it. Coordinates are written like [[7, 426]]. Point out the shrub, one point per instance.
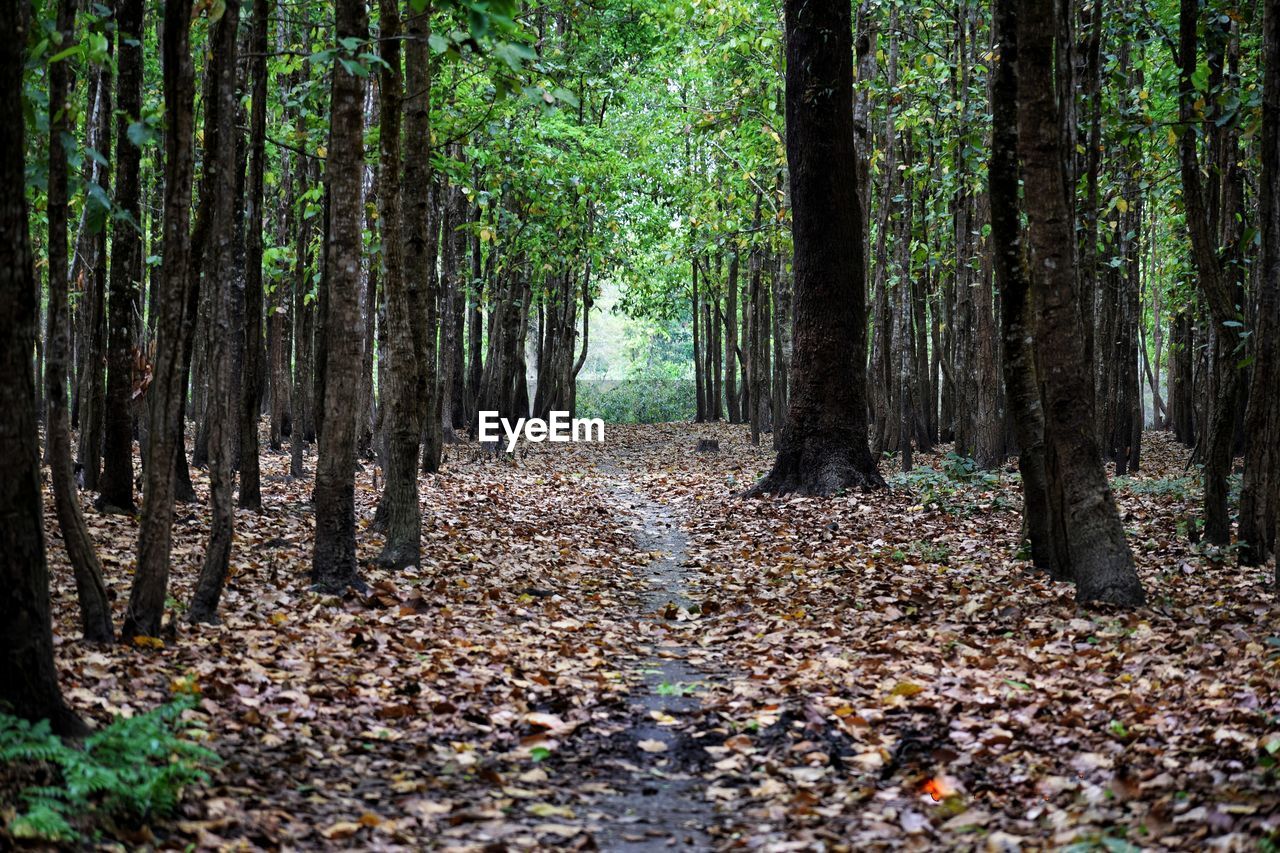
[[135, 768]]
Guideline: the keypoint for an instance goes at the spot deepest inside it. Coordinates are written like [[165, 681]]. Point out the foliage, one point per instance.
[[637, 401], [135, 768], [957, 486]]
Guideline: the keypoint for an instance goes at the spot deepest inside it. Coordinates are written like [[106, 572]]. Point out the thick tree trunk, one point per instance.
[[95, 608], [1017, 316], [333, 566], [28, 679], [220, 165], [398, 509], [1083, 510], [146, 602], [1260, 495], [824, 445], [126, 250]]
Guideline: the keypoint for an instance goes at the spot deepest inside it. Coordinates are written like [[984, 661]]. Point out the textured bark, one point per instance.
[[126, 252], [95, 609], [398, 510], [28, 679], [220, 165], [1017, 316], [166, 392], [333, 566], [250, 496], [1260, 495], [421, 229], [824, 444], [1083, 510]]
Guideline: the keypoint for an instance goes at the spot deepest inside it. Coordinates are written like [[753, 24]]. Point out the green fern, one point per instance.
[[135, 768]]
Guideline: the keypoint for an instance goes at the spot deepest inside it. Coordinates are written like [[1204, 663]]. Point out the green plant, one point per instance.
[[135, 768]]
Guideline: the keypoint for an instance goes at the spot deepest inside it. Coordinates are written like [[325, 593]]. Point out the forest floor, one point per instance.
[[604, 646]]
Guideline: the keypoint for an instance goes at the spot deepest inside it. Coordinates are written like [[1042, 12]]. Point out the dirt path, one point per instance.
[[660, 800]]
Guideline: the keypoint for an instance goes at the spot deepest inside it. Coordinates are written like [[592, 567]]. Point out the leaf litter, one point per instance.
[[868, 671]]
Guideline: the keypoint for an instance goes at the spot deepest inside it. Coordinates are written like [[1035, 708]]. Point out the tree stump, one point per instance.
[[708, 445]]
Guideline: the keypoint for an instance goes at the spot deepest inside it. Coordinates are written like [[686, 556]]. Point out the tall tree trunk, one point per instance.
[[251, 378], [333, 566], [126, 250], [421, 228], [1017, 316], [28, 679], [220, 165], [1260, 494], [402, 408], [824, 444], [151, 582], [95, 609], [1082, 507], [1215, 285]]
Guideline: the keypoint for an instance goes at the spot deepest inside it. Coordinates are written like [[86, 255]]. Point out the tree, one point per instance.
[[166, 393], [1260, 494], [126, 266], [251, 383], [401, 516], [823, 447], [1017, 312], [1216, 286], [333, 566], [220, 167], [1087, 531], [95, 609], [28, 680]]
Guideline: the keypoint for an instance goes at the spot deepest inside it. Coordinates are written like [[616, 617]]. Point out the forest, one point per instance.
[[922, 362]]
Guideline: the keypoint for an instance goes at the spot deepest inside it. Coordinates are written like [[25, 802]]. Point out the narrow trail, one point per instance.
[[663, 804]]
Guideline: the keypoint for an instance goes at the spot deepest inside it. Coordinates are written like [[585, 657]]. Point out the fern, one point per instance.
[[135, 768]]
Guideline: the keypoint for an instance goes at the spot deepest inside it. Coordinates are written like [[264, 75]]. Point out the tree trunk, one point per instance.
[[146, 602], [824, 445], [333, 566], [95, 609], [251, 378], [402, 408], [126, 248], [28, 679], [1260, 494], [1017, 317], [1082, 508], [220, 165]]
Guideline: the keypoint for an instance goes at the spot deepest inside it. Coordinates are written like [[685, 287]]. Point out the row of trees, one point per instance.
[[1048, 279]]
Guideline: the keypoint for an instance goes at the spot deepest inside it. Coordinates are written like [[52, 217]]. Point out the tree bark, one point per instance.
[[1082, 507], [251, 381], [823, 448], [95, 608], [28, 679], [398, 509], [126, 249], [146, 602], [333, 566], [1260, 494], [220, 165]]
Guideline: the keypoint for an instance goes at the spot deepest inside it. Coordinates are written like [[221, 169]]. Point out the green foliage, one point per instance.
[[637, 401], [134, 768], [959, 488]]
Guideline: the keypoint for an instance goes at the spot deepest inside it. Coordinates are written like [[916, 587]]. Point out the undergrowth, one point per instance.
[[134, 769]]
